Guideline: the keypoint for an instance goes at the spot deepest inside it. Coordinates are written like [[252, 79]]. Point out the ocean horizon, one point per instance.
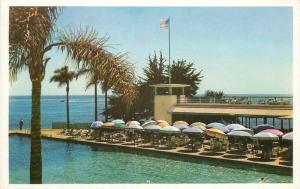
[[53, 109]]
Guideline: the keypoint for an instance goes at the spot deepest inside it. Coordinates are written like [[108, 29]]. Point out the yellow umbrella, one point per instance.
[[215, 133], [108, 125], [163, 124], [199, 125], [180, 123], [162, 121]]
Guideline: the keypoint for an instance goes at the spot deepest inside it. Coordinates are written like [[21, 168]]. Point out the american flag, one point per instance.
[[164, 23]]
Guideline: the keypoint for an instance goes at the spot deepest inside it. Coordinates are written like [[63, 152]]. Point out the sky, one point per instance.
[[241, 50]]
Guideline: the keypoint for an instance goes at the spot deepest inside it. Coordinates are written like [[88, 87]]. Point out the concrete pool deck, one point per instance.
[[54, 135]]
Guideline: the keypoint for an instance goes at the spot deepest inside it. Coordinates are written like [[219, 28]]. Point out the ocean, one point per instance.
[[53, 109]]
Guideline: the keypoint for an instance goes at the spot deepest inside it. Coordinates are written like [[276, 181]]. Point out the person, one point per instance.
[[21, 123], [263, 179]]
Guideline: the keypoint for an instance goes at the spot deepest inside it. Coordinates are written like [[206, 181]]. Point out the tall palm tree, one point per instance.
[[30, 38], [63, 76], [115, 73]]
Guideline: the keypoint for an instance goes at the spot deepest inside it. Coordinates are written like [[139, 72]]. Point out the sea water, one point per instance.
[[66, 162], [53, 109]]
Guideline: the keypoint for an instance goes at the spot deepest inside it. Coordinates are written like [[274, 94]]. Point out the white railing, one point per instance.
[[238, 100]]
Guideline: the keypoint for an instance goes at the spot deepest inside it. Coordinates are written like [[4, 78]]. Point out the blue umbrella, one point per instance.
[[181, 126], [96, 124], [234, 126], [214, 125], [192, 130], [219, 126], [246, 130], [262, 127]]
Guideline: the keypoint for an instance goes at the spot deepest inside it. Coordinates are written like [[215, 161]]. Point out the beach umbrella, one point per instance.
[[163, 124], [180, 123], [197, 123], [149, 122], [213, 132], [219, 126], [234, 126], [274, 131], [96, 124], [192, 130], [137, 127], [239, 134], [181, 127], [214, 124], [169, 130], [118, 121], [265, 136], [162, 121], [108, 125], [119, 125], [133, 123], [262, 127], [250, 131], [288, 136], [153, 128]]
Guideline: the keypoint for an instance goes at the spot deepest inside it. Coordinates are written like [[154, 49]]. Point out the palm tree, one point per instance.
[[115, 74], [30, 38], [63, 76]]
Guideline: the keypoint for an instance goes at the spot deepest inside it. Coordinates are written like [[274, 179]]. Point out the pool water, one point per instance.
[[66, 162]]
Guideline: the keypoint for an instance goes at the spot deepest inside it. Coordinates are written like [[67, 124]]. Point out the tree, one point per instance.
[[184, 72], [31, 31], [214, 94], [155, 73], [63, 76]]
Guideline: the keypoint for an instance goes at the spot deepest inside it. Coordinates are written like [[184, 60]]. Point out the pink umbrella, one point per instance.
[[274, 131]]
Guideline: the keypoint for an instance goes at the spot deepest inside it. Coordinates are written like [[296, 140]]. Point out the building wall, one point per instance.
[[163, 105]]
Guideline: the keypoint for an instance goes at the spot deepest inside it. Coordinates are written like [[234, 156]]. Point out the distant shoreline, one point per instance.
[[230, 95]]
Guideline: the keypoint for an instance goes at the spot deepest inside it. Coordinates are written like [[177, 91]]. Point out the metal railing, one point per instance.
[[267, 100]]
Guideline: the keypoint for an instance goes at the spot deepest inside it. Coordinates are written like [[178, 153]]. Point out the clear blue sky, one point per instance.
[[241, 50]]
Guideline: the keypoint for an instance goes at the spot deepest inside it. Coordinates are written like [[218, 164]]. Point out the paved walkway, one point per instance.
[[248, 159]]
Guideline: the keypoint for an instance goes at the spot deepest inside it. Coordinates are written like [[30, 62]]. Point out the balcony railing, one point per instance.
[[238, 100]]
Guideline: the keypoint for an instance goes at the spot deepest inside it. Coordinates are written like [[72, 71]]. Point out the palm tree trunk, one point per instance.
[[106, 118], [35, 154], [68, 111], [96, 111]]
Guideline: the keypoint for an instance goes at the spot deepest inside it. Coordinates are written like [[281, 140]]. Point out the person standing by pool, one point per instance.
[[21, 123]]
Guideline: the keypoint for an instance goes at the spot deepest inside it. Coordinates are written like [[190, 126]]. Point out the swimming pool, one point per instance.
[[67, 162]]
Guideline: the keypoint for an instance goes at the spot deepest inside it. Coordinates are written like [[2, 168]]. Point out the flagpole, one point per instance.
[[169, 51]]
